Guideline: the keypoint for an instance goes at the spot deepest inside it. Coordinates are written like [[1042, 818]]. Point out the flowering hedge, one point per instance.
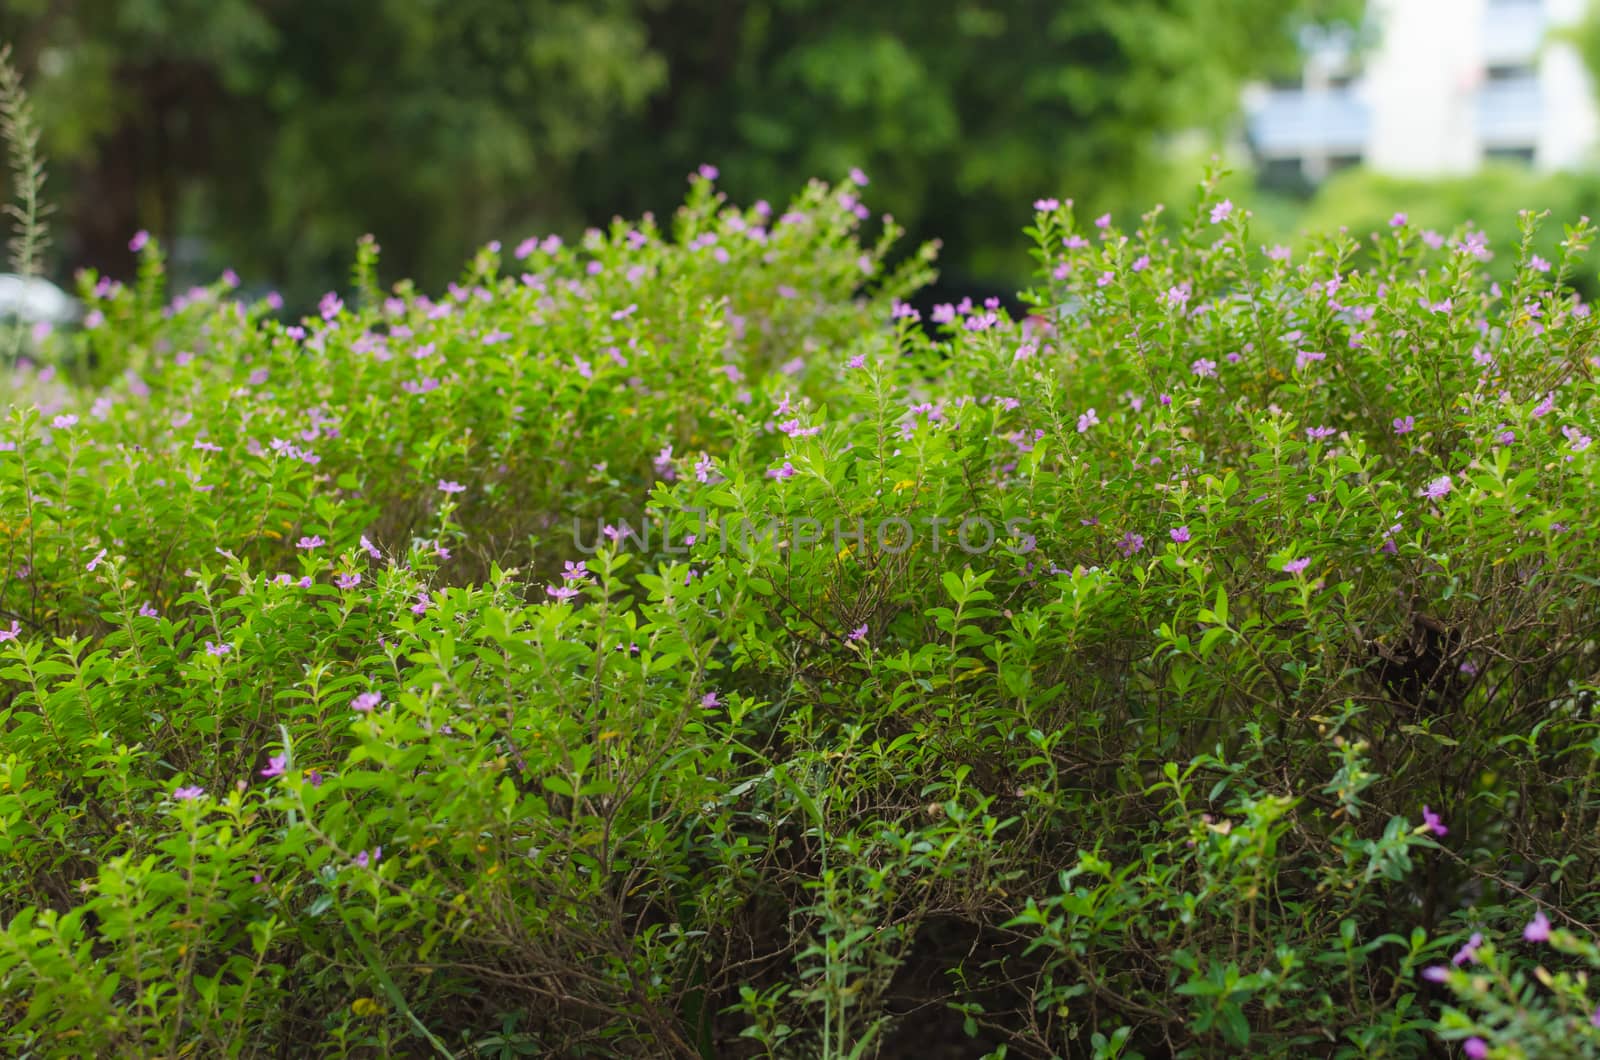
[[671, 645]]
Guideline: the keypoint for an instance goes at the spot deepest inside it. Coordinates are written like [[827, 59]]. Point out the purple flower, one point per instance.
[[1436, 973], [188, 794], [1438, 488], [1397, 220], [446, 486], [1316, 434], [858, 361], [349, 580], [217, 650], [1220, 212], [1405, 424], [1544, 407], [308, 543], [781, 473], [858, 177], [140, 239], [364, 703], [1469, 953], [1505, 438], [1205, 368], [1474, 1049], [1130, 543], [561, 592], [1180, 535], [363, 859], [1046, 205], [708, 171], [578, 571], [1432, 822], [1594, 1018], [96, 561], [330, 306], [1538, 264], [1538, 929], [369, 548], [1296, 566], [1103, 221], [709, 701], [1087, 420], [859, 633], [146, 611], [61, 423], [275, 766]]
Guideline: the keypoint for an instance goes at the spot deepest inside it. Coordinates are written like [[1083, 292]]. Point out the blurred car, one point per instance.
[[33, 300]]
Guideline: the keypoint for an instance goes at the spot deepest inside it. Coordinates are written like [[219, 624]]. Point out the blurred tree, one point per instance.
[[282, 129], [963, 113]]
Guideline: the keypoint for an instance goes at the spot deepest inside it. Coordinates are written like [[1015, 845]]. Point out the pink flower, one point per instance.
[[857, 634], [1468, 953], [708, 171], [308, 543], [96, 561], [1432, 822], [1296, 566], [188, 794], [1046, 205], [369, 548], [446, 486], [1474, 1049], [1538, 264], [1438, 488], [1180, 535], [709, 701], [349, 580], [364, 703], [1205, 368], [1397, 220], [1087, 420], [561, 593], [363, 859], [275, 766], [146, 611], [858, 177], [140, 239], [1538, 929], [1405, 424], [1103, 221], [217, 651], [1221, 211]]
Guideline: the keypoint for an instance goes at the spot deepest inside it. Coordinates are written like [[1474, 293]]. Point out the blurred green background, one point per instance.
[[268, 135]]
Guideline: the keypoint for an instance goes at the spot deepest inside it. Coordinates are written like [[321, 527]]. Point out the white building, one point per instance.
[[1436, 88]]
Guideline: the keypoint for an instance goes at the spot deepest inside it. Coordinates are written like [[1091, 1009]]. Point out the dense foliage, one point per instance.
[[666, 646], [279, 131]]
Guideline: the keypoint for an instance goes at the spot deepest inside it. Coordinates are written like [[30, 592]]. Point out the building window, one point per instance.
[[1509, 154], [1510, 73]]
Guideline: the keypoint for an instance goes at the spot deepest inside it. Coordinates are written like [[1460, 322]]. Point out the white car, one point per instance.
[[32, 300]]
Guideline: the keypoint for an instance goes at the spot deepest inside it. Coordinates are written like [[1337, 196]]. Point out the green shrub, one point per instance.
[[667, 646]]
